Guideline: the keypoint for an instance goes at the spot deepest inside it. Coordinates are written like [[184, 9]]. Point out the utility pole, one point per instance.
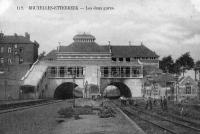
[[176, 77], [74, 76], [5, 86]]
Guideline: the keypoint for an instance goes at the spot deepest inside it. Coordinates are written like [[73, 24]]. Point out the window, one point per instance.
[[128, 59], [105, 71], [15, 52], [188, 89], [120, 59], [21, 60], [2, 49], [2, 60], [79, 72], [9, 50], [15, 45], [114, 59], [9, 61], [53, 71], [21, 50], [127, 72], [62, 71]]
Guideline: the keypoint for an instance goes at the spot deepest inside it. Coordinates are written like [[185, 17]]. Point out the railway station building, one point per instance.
[[85, 69]]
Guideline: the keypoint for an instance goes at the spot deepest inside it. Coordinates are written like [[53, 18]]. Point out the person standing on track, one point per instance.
[[150, 103], [165, 103], [147, 103], [161, 102]]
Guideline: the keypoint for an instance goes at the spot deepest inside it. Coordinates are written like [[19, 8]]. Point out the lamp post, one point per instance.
[[74, 76], [5, 84], [176, 78]]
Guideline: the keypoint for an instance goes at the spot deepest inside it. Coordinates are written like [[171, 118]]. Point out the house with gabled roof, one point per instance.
[[187, 88]]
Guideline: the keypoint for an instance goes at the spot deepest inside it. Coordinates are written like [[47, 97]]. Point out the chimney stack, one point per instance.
[[27, 35], [1, 34], [129, 43]]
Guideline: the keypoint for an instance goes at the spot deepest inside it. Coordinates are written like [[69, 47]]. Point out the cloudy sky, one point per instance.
[[168, 27]]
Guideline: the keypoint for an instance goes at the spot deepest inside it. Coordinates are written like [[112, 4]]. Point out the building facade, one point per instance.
[[84, 63], [187, 88], [17, 54], [16, 49]]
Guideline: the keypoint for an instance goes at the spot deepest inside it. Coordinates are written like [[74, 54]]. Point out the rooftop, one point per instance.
[[85, 43], [5, 39], [84, 38], [132, 51]]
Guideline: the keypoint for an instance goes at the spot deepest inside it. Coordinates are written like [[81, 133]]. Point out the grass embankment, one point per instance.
[[40, 120]]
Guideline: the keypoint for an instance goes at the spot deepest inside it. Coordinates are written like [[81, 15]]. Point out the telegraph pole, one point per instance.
[[74, 76]]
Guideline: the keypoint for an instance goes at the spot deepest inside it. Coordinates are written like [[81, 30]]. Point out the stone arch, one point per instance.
[[65, 90], [123, 88]]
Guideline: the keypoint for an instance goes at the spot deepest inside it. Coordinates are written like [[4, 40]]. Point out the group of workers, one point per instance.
[[150, 102]]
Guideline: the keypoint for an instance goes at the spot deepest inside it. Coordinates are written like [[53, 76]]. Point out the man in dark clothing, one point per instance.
[[154, 102], [150, 103], [161, 103], [165, 103], [147, 104]]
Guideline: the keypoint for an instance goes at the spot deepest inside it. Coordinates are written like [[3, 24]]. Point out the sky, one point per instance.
[[168, 27]]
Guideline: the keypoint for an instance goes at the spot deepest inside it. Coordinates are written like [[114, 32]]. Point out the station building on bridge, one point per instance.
[[90, 68]]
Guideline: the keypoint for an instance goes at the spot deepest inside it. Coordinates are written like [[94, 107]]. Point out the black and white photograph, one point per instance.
[[99, 66]]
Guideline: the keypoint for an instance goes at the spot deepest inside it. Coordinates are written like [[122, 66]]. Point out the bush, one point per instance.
[[106, 112], [66, 112]]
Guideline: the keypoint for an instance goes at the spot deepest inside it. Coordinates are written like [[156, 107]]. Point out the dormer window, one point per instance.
[[120, 59], [114, 59], [128, 59]]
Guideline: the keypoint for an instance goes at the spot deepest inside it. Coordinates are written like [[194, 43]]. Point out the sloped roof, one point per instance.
[[15, 39], [84, 47], [51, 55], [184, 80], [132, 51]]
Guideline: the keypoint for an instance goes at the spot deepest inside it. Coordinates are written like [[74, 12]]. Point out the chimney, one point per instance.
[[142, 43], [27, 35], [15, 34], [1, 34], [109, 46], [129, 43], [58, 48]]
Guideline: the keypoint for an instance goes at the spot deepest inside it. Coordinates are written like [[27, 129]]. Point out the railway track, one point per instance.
[[28, 105], [164, 114], [168, 125]]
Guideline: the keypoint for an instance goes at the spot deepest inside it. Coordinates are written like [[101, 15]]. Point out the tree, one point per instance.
[[197, 64], [184, 62], [167, 64], [41, 55]]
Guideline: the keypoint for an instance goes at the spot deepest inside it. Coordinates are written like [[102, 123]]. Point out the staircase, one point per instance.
[[35, 74]]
